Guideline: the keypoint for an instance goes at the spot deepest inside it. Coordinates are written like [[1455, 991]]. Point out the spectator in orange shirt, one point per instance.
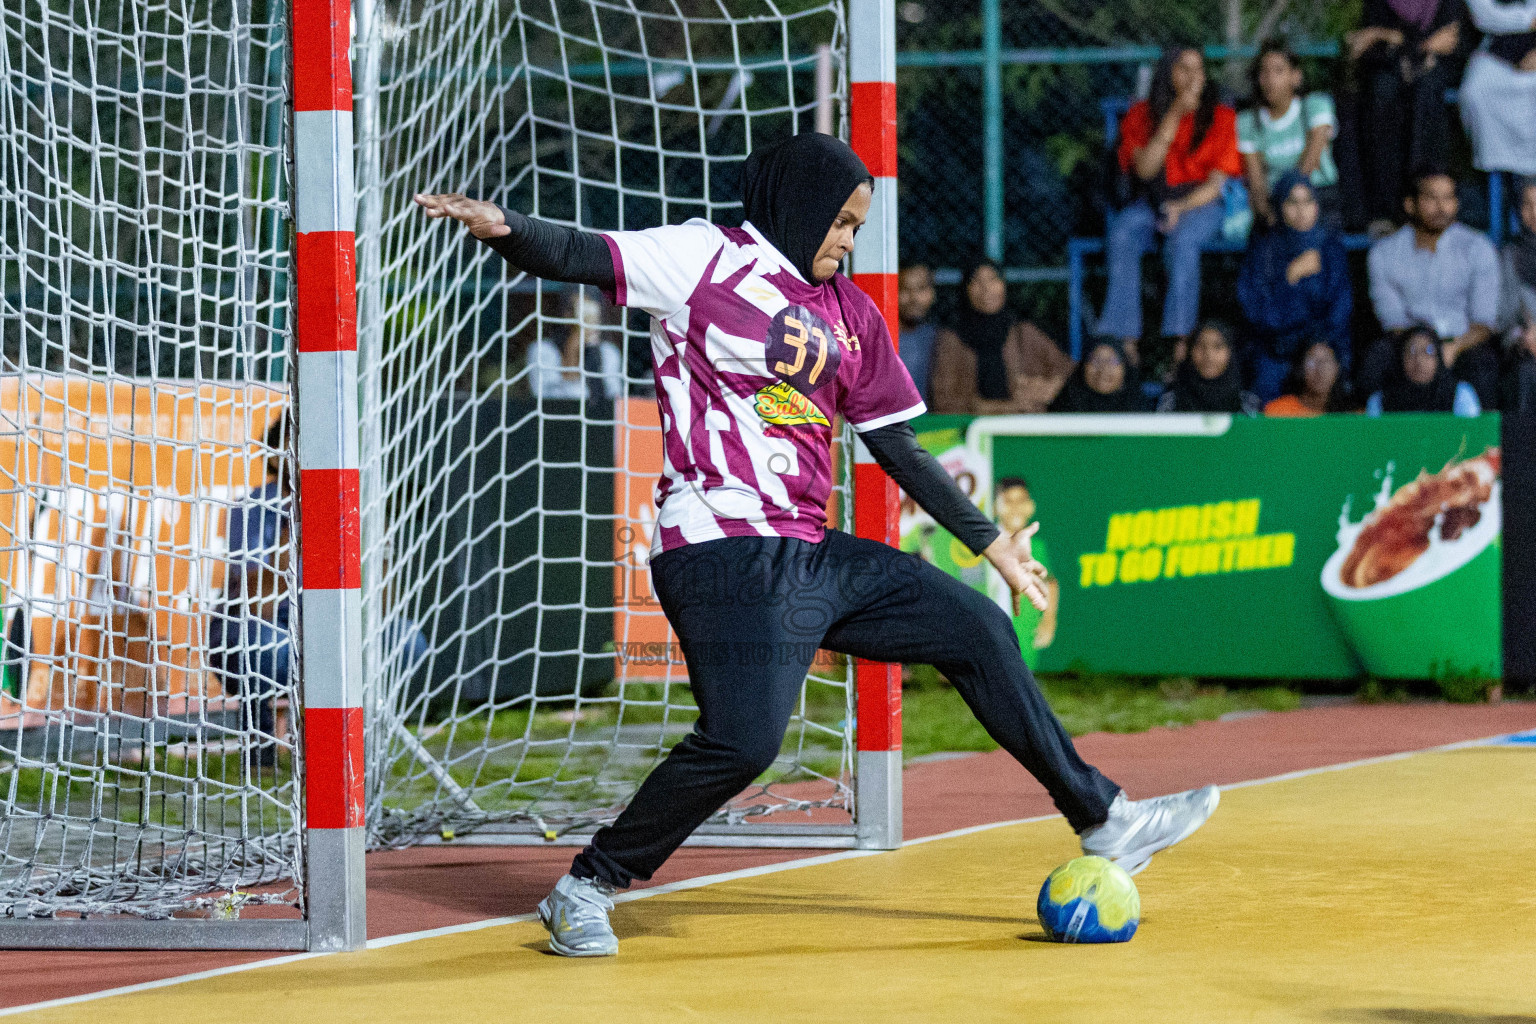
[[1177, 149], [1316, 384]]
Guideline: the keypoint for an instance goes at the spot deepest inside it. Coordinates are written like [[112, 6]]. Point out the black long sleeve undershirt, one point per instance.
[[554, 252], [896, 449]]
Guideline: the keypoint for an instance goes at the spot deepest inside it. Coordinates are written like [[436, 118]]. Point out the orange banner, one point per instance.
[[644, 646]]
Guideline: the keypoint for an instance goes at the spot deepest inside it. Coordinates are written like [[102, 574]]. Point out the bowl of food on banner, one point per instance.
[[1415, 584]]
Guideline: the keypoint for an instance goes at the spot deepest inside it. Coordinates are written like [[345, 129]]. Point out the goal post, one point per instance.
[[872, 115], [329, 513]]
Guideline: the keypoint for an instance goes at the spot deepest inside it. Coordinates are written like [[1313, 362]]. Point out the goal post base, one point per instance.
[[136, 933], [338, 890], [791, 837], [879, 800]]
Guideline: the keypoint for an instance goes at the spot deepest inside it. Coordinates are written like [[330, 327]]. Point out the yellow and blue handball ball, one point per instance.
[[1089, 899]]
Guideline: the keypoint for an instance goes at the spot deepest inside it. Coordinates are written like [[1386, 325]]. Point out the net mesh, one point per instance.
[[523, 676], [519, 673], [146, 762]]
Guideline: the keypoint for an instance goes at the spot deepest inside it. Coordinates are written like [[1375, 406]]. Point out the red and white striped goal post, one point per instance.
[[329, 517], [876, 512]]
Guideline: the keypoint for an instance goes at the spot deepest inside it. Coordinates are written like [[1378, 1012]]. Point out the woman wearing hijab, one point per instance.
[[1419, 381], [1208, 378], [1294, 286], [1403, 51], [759, 344], [1103, 382], [989, 362], [1178, 147]]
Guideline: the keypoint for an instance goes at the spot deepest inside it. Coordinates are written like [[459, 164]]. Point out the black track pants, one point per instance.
[[750, 613]]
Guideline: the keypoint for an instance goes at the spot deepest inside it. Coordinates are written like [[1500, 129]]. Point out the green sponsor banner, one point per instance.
[[1318, 548]]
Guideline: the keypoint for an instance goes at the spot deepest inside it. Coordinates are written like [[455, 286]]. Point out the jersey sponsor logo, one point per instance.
[[781, 405], [801, 350]]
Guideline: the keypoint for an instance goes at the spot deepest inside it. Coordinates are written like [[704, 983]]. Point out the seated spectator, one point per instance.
[[991, 362], [1316, 384], [1517, 290], [1177, 149], [1517, 314], [1294, 286], [1519, 388], [1402, 52], [1103, 382], [1286, 129], [1440, 273], [562, 371], [250, 630], [914, 301], [249, 633], [1498, 92], [1208, 380], [1419, 382]]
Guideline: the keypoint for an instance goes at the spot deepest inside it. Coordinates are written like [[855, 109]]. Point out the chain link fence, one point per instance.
[[1058, 60]]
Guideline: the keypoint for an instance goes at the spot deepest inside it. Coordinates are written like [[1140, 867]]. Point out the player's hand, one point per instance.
[[1010, 555], [483, 219]]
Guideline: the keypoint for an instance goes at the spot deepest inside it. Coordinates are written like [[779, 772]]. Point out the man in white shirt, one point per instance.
[[1442, 274]]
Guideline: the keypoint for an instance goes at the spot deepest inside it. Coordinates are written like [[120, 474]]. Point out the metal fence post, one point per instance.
[[992, 126]]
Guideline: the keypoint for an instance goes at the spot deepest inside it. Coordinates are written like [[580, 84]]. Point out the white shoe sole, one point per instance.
[[1136, 861]]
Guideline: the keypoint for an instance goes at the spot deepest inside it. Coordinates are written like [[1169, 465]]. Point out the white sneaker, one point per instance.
[[576, 915], [1136, 829]]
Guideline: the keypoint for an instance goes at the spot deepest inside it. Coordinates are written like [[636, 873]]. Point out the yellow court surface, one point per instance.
[[1399, 891]]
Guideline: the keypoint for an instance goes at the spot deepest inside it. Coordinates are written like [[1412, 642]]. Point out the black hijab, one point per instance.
[[1399, 394], [1077, 396], [986, 334], [792, 191], [1194, 393]]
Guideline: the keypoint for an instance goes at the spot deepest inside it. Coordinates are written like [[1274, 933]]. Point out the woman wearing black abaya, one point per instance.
[[760, 344], [1208, 379], [1104, 381], [988, 362], [1419, 381], [1404, 52]]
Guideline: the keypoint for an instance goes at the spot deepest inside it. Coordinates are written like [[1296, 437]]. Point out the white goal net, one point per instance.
[[146, 758], [519, 677], [523, 678]]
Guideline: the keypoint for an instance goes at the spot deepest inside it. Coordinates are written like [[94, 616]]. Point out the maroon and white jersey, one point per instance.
[[752, 365]]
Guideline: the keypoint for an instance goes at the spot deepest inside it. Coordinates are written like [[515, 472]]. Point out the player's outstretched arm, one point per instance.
[[550, 251]]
